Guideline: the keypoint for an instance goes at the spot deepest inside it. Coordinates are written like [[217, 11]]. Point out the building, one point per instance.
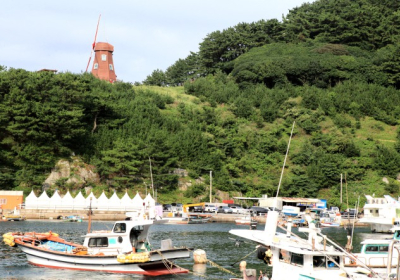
[[279, 202], [10, 200]]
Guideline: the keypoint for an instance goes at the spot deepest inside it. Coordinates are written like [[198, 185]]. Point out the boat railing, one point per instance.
[[371, 261]]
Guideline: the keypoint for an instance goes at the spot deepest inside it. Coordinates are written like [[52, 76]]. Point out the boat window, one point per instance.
[[324, 262], [297, 259], [384, 248], [371, 249], [332, 262], [98, 242], [120, 228], [319, 261], [284, 255]]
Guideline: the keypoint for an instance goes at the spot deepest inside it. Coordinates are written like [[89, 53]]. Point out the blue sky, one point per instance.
[[147, 35]]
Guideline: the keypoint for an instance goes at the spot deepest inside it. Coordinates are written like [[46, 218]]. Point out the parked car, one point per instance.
[[210, 208], [238, 209], [167, 207], [224, 209], [198, 209], [350, 214], [256, 210]]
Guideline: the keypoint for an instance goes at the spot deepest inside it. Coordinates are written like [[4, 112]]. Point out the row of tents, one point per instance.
[[67, 202]]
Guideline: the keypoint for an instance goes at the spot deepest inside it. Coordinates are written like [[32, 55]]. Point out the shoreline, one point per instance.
[[52, 214]]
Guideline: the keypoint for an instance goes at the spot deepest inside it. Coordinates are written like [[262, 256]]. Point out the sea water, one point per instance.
[[222, 248]]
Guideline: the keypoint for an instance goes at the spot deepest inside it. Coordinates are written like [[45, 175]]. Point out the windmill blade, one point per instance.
[[94, 44]]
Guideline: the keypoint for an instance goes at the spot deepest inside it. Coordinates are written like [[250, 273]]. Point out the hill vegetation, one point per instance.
[[332, 68]]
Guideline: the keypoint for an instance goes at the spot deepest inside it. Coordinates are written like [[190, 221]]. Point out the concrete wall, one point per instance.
[[52, 214]]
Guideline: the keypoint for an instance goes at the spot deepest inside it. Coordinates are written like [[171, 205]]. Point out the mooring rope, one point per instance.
[[167, 262]]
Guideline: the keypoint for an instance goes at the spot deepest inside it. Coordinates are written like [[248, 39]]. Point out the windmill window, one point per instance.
[[111, 67], [104, 57], [96, 66]]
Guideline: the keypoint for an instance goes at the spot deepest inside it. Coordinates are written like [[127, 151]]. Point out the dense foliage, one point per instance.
[[332, 67]]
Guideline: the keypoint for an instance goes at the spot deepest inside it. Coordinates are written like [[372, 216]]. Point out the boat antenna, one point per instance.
[[284, 162], [90, 215]]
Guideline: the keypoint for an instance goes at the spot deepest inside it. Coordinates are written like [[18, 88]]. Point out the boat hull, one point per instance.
[[57, 260]]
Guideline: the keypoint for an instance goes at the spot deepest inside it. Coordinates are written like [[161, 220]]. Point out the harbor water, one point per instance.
[[221, 248]]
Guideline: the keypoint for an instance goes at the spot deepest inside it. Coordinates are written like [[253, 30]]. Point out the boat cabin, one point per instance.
[[295, 261], [125, 236]]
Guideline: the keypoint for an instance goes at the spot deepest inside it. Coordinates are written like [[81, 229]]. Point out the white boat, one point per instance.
[[13, 216], [124, 249], [380, 213], [297, 258], [292, 211], [377, 254], [246, 220]]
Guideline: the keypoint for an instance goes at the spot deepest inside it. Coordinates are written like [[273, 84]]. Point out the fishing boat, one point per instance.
[[378, 254], [123, 249], [246, 220], [197, 219], [73, 218], [13, 216], [293, 257], [380, 213]]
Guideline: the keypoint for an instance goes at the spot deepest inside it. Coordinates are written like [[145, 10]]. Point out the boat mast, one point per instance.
[[90, 216], [284, 162]]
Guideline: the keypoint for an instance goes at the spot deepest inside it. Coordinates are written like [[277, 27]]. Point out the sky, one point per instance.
[[147, 35]]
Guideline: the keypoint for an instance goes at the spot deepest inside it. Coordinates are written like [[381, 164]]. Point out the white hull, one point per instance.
[[379, 225], [53, 259]]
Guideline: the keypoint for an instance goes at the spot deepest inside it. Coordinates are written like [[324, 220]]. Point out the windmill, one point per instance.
[[103, 64]]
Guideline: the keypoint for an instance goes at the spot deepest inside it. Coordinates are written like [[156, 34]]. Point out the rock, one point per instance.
[[75, 172], [385, 180]]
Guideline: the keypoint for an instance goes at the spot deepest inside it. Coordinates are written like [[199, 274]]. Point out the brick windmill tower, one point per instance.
[[103, 64]]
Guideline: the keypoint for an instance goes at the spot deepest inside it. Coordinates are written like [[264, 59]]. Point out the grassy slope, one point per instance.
[[366, 137]]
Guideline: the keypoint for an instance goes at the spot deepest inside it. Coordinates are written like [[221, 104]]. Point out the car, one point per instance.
[[350, 214], [167, 207], [224, 209], [256, 210], [210, 208], [238, 209], [198, 209]]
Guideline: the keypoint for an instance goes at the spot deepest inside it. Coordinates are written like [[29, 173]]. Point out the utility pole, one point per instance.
[[210, 186], [151, 176], [341, 188]]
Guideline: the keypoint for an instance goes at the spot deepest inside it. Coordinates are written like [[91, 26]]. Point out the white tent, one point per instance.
[[43, 201], [31, 201], [114, 203], [103, 201], [91, 201], [55, 200], [79, 201], [137, 201], [150, 204], [126, 202], [67, 202]]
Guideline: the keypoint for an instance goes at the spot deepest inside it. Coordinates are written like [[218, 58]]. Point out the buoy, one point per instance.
[[199, 256], [200, 268], [242, 265]]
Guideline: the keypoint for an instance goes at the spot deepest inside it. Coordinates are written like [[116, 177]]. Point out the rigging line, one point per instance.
[[284, 162], [245, 256]]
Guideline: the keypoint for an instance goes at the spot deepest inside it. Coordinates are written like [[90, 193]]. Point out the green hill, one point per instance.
[[333, 71]]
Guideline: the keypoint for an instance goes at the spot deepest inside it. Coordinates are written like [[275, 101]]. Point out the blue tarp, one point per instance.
[[56, 246]]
